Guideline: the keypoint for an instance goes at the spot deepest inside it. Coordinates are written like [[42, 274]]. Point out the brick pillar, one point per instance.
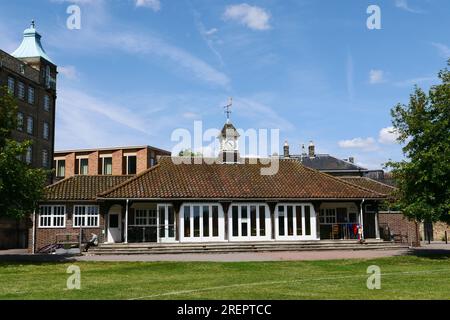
[[70, 165], [143, 160], [117, 160], [93, 164]]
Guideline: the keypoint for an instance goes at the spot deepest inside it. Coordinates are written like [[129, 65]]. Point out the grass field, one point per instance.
[[407, 277]]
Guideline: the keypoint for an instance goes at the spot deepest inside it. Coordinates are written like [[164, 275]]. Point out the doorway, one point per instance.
[[115, 224]]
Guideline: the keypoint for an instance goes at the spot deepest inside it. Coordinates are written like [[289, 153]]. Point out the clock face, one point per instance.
[[230, 145]]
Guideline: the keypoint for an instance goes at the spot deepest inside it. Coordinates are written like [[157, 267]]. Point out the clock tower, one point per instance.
[[229, 137]]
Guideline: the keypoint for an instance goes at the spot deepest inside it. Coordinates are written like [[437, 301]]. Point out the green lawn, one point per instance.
[[406, 277]]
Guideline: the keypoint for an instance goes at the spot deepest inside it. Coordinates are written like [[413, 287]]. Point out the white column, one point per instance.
[[377, 227], [33, 236], [361, 221], [126, 222]]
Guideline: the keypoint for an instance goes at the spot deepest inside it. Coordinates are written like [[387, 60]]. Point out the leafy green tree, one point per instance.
[[189, 153], [20, 185], [423, 179]]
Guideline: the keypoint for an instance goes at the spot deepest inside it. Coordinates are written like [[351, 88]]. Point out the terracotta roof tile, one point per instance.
[[82, 187], [168, 180]]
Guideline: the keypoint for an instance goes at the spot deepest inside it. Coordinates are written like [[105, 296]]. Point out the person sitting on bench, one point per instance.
[[92, 242]]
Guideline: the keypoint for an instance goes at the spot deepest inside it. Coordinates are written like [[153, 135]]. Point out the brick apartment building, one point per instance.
[[30, 75], [106, 161]]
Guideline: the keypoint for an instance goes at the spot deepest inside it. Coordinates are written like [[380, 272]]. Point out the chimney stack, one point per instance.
[[351, 159], [303, 150], [286, 149], [312, 150]]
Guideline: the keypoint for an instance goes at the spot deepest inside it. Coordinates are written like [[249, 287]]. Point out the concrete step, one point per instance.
[[236, 248]]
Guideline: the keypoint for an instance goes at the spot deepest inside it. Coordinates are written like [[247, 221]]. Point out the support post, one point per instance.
[[126, 222], [361, 221], [33, 236], [377, 227]]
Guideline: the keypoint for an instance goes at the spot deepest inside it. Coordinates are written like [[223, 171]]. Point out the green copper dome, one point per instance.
[[31, 46]]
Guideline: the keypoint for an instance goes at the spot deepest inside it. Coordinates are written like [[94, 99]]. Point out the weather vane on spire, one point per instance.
[[33, 24], [228, 109]]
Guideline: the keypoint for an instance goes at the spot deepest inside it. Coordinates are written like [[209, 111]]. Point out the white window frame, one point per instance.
[[249, 237], [295, 236], [150, 217], [103, 165], [51, 217], [164, 238], [127, 156], [86, 216], [79, 159], [202, 238], [57, 161]]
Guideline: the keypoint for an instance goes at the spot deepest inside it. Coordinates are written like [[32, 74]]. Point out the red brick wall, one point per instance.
[[117, 159], [93, 163], [46, 236], [143, 161], [70, 165], [399, 225]]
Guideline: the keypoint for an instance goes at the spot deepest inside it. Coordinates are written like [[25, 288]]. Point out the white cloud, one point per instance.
[[444, 51], [155, 5], [388, 136], [367, 144], [404, 5], [262, 115], [70, 72], [376, 76], [152, 45], [414, 81], [210, 32], [253, 17]]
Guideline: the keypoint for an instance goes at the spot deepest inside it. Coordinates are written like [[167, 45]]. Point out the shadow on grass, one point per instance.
[[37, 258], [438, 254]]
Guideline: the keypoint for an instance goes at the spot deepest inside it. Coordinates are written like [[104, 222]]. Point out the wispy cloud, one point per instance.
[[208, 35], [366, 144], [255, 18], [444, 51], [155, 5], [70, 72], [376, 76], [262, 114], [414, 81], [140, 45], [404, 5]]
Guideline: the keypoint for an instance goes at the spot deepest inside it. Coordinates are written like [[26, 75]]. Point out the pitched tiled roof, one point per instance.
[[168, 180], [325, 162], [82, 187], [371, 185]]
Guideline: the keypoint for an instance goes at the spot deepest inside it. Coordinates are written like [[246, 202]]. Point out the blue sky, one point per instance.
[[139, 69]]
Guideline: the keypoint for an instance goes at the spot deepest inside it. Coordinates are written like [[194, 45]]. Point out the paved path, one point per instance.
[[254, 256], [433, 249]]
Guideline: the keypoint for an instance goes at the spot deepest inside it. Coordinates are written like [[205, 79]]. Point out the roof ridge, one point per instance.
[[129, 180], [59, 182], [384, 184], [341, 180]]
